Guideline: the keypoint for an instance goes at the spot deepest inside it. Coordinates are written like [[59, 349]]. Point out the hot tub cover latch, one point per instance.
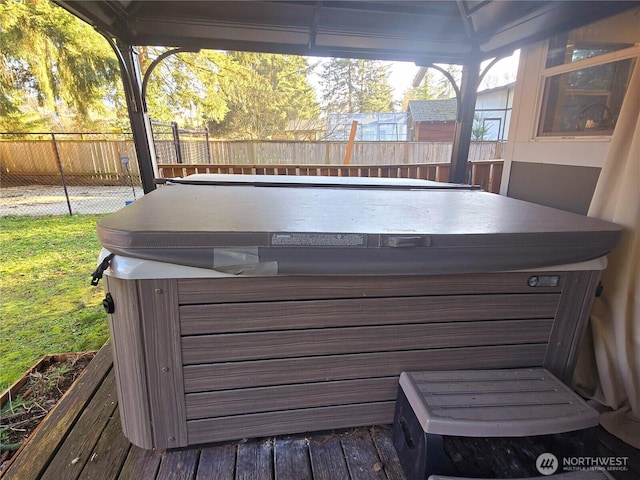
[[97, 274]]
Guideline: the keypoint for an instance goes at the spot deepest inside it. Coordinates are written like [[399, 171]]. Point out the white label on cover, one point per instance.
[[318, 239]]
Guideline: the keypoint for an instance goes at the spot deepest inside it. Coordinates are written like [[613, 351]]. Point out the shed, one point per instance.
[[432, 120]]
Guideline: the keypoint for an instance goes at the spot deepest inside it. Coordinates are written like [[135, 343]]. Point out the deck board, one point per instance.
[[140, 464], [386, 451], [255, 460], [77, 448], [327, 458], [362, 457], [86, 426], [179, 465], [109, 454], [291, 459], [46, 440], [611, 446], [217, 462]]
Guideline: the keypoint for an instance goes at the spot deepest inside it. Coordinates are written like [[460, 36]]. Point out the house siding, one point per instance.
[[526, 152]]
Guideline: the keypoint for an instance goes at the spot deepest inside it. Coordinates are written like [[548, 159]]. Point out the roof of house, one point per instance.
[[306, 125], [497, 89], [433, 110]]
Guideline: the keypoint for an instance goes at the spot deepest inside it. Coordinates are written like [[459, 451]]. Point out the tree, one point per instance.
[[424, 91], [374, 92], [337, 80], [443, 87], [355, 86], [479, 129], [186, 87], [434, 86], [263, 92], [56, 71]]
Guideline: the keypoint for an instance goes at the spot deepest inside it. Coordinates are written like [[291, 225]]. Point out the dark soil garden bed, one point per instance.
[[29, 400]]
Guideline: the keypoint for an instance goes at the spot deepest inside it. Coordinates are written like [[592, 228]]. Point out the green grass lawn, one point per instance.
[[46, 302]]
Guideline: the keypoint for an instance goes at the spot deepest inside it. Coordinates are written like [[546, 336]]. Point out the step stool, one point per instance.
[[482, 403]]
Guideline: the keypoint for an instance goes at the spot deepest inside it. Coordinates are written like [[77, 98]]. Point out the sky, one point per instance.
[[403, 73]]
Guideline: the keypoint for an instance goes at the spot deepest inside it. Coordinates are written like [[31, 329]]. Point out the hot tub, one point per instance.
[[266, 305]]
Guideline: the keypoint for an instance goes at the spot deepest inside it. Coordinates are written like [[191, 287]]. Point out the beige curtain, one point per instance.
[[609, 367]]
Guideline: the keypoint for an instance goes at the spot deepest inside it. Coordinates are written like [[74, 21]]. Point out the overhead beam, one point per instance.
[[313, 31], [465, 18]]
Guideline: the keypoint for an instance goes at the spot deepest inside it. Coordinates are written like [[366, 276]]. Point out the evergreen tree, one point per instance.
[[338, 83], [53, 67], [58, 73], [355, 86], [374, 93], [263, 92], [434, 86], [424, 91], [480, 129], [186, 87]]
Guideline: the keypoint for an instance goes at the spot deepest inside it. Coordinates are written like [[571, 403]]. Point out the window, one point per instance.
[[372, 127], [586, 76]]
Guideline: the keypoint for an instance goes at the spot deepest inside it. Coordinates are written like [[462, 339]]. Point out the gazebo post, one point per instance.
[[464, 122], [138, 114]]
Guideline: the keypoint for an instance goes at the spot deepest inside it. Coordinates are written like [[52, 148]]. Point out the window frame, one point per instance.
[[548, 72]]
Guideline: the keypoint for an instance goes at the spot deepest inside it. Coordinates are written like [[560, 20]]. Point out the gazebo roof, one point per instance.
[[420, 31]]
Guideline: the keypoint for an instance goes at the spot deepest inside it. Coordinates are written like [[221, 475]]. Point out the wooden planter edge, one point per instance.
[[44, 362], [39, 366]]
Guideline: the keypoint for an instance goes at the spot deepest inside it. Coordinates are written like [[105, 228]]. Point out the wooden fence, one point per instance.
[[485, 173], [113, 162], [82, 162], [332, 153]]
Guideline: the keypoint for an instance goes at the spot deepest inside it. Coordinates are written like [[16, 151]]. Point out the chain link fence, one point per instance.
[[67, 173], [85, 173], [93, 173], [180, 145]]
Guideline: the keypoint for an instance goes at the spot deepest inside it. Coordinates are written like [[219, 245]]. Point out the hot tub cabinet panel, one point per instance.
[[211, 359], [145, 332]]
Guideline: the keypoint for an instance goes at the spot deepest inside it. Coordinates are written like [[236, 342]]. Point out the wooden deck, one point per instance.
[[82, 439]]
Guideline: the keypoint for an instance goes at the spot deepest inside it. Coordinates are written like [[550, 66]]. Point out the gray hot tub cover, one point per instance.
[[266, 226]]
